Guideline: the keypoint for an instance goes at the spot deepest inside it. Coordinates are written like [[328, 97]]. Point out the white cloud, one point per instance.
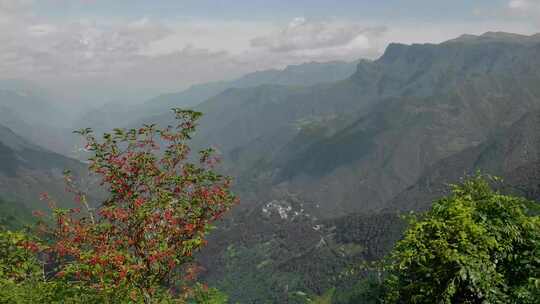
[[33, 48], [231, 36], [165, 55], [315, 37]]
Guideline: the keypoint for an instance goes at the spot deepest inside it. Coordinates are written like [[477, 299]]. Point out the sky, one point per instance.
[[98, 50]]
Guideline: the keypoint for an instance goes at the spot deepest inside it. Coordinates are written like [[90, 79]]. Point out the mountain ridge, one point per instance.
[[418, 92], [158, 108]]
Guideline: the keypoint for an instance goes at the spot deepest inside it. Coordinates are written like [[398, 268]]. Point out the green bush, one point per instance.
[[474, 246]]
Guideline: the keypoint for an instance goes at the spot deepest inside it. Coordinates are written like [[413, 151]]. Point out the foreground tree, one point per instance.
[[474, 246], [138, 244]]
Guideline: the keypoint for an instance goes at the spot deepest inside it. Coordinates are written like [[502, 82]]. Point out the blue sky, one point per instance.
[[167, 45]]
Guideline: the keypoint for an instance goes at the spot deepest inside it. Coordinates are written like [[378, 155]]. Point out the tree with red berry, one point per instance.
[[139, 242]]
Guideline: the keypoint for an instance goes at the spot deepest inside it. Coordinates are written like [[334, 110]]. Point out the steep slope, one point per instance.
[[27, 170], [404, 112], [403, 71], [513, 154]]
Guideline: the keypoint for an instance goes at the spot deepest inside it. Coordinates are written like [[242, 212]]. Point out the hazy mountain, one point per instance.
[[30, 111], [30, 102], [294, 75], [27, 170], [158, 108]]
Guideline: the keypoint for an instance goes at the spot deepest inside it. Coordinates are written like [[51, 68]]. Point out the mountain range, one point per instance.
[[158, 108], [327, 155], [388, 139], [355, 144]]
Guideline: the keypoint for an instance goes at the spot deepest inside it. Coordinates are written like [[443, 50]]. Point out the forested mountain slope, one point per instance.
[[324, 170], [512, 154], [353, 145]]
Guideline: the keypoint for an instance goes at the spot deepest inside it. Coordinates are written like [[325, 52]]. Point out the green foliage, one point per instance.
[[475, 246], [326, 298], [254, 270], [23, 280], [14, 215], [266, 273], [203, 294], [367, 291], [22, 275], [16, 263]]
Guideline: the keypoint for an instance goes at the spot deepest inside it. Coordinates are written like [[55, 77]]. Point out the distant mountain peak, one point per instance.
[[493, 36], [424, 52], [500, 34], [393, 51]]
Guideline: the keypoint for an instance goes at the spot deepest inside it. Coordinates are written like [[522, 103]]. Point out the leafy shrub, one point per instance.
[[474, 246]]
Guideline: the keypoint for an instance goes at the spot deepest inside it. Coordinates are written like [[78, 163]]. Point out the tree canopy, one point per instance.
[[474, 246]]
